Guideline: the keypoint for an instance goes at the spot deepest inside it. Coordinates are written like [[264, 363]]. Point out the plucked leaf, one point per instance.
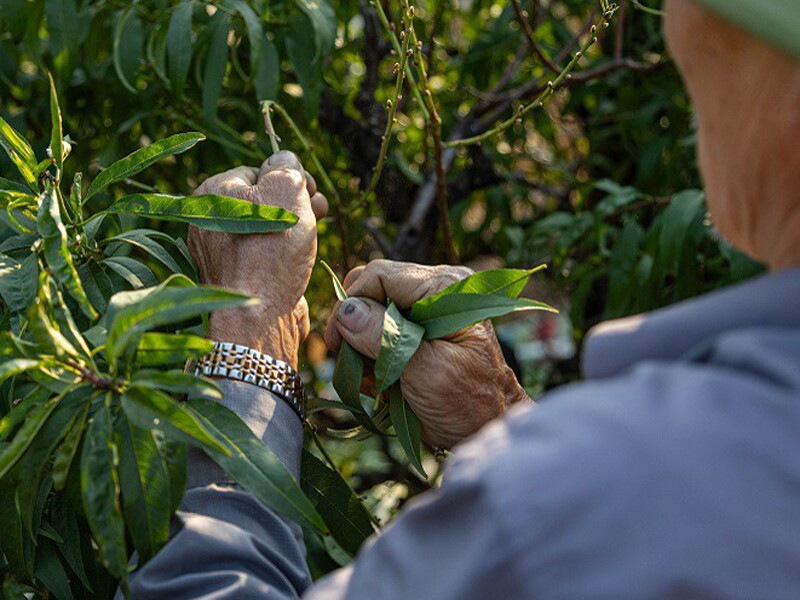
[[337, 285], [150, 409], [253, 465], [337, 504], [399, 341], [347, 378], [406, 426], [20, 153], [100, 493], [141, 159], [210, 212], [179, 46], [56, 251], [454, 312]]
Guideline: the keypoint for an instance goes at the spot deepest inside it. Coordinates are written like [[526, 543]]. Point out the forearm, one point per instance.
[[225, 544]]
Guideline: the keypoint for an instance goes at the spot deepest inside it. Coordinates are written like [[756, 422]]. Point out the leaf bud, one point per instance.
[[388, 105]]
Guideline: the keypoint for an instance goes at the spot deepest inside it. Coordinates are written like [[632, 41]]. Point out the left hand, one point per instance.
[[274, 267]]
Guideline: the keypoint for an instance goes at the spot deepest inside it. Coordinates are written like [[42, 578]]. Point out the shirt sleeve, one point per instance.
[[226, 544]]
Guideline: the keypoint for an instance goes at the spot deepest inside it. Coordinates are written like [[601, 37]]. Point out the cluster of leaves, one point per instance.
[[93, 421], [481, 296]]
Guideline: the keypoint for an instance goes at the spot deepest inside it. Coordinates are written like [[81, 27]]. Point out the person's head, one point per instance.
[[746, 95]]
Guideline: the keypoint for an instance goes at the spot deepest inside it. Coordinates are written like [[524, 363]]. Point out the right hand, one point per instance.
[[455, 384]]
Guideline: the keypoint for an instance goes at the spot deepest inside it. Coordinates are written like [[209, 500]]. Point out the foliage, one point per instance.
[[453, 133]]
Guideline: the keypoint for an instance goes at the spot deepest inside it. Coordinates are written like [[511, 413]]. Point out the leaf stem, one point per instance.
[[273, 137]]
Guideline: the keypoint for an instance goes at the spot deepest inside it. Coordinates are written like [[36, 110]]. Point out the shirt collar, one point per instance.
[[767, 301]]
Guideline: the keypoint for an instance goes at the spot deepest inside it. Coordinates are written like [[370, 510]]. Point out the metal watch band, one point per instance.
[[241, 363]]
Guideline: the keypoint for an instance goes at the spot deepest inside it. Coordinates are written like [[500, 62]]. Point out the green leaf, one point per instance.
[[145, 240], [176, 382], [129, 37], [399, 341], [174, 454], [56, 251], [406, 426], [138, 275], [144, 480], [7, 185], [65, 520], [96, 284], [307, 66], [51, 572], [150, 409], [253, 465], [144, 157], [15, 366], [18, 281], [64, 27], [209, 212], [454, 312], [34, 421], [323, 20], [100, 492], [337, 504], [162, 306], [255, 31], [347, 378], [57, 134], [684, 209], [20, 153], [337, 285], [499, 282], [69, 448], [179, 46], [266, 75], [16, 415], [216, 63], [164, 349]]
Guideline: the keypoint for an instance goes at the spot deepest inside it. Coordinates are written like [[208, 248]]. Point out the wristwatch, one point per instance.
[[240, 363]]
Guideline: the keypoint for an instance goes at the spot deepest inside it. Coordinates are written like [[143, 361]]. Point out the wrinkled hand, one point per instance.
[[455, 384], [274, 267]]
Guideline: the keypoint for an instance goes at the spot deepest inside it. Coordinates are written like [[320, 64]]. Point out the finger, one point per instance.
[[404, 283], [302, 318], [229, 181], [319, 204], [333, 339], [279, 161], [311, 184], [360, 322], [352, 276]]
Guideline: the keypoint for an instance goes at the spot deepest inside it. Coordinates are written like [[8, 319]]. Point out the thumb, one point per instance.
[[360, 322]]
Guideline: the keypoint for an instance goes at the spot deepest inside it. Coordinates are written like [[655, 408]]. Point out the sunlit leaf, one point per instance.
[[141, 159], [20, 153], [57, 134], [165, 349], [210, 212], [337, 285]]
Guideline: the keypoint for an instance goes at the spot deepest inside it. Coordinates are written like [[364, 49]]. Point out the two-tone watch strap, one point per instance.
[[240, 363]]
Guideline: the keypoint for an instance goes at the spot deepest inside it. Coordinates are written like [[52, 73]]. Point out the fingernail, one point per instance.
[[284, 158], [353, 314]]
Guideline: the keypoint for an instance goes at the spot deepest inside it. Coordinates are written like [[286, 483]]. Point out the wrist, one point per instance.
[[258, 327]]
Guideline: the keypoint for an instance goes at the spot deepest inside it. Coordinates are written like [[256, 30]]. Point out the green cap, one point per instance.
[[777, 22]]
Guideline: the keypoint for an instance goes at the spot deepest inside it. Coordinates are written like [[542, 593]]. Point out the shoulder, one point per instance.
[[601, 474]]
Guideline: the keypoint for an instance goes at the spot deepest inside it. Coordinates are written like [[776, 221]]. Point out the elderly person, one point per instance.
[[673, 472]]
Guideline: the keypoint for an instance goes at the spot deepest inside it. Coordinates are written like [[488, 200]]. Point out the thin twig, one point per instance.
[[273, 137], [436, 133], [392, 108], [522, 19], [542, 97]]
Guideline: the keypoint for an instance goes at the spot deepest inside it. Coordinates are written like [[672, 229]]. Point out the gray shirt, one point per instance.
[[672, 472]]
